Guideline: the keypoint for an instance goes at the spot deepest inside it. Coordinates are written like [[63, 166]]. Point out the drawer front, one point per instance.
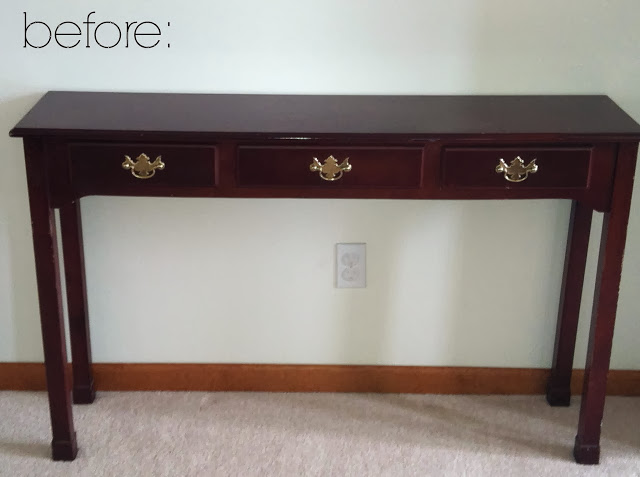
[[103, 168], [392, 167], [536, 167]]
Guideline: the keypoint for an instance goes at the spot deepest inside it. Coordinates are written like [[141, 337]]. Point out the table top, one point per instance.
[[95, 113]]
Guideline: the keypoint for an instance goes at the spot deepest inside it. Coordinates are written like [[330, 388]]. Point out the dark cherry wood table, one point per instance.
[[581, 148]]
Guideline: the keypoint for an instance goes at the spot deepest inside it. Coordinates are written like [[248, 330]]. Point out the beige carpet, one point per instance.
[[263, 434]]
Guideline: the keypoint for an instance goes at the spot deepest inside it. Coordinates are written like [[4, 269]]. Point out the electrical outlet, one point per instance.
[[351, 265]]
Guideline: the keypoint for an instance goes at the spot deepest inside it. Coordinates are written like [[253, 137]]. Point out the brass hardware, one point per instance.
[[516, 171], [143, 168], [330, 170]]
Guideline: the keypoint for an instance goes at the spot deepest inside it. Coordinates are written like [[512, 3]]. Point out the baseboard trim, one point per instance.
[[314, 378]]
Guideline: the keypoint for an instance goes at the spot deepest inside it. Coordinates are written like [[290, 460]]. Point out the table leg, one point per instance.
[[559, 384], [64, 445], [614, 230], [71, 230]]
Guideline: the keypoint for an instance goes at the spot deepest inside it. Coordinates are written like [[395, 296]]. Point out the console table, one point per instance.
[[581, 148]]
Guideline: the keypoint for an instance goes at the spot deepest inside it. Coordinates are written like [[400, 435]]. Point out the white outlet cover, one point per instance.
[[351, 265]]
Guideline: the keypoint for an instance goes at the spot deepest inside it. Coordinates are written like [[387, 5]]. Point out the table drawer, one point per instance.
[[516, 167], [141, 167], [326, 167]]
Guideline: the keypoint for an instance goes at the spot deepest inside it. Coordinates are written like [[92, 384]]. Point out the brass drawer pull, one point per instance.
[[143, 168], [517, 171], [330, 170]]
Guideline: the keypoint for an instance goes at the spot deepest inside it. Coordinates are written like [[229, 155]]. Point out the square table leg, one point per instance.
[[71, 231], [614, 231], [64, 445], [559, 384]]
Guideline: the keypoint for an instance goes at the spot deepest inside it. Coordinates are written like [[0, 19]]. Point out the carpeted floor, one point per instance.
[[268, 434]]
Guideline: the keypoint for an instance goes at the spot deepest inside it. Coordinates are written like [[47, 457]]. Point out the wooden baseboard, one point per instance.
[[315, 378]]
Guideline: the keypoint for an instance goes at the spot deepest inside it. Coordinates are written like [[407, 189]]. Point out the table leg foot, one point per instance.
[[65, 450], [558, 396], [84, 394], [587, 454]]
